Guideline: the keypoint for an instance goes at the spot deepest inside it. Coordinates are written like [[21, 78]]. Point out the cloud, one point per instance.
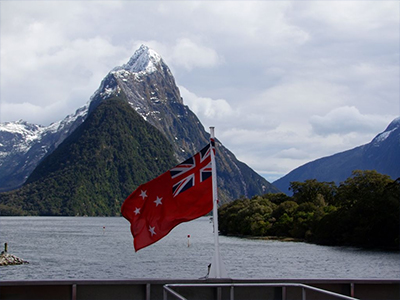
[[355, 19], [63, 75], [347, 119], [292, 153], [43, 67], [206, 107], [190, 55], [37, 114], [284, 82], [183, 53]]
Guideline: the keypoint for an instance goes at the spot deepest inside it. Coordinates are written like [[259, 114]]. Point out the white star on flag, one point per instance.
[[156, 207], [143, 194], [158, 201], [151, 229]]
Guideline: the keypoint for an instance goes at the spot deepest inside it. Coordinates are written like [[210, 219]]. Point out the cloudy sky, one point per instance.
[[284, 82]]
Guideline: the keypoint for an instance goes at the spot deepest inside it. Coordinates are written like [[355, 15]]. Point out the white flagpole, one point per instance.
[[217, 267]]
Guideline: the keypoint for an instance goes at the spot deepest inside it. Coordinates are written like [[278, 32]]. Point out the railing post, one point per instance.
[[219, 293], [352, 289], [148, 289], [73, 296], [232, 293], [283, 292], [303, 293]]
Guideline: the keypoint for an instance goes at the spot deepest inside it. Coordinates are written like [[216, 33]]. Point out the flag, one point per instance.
[[179, 195]]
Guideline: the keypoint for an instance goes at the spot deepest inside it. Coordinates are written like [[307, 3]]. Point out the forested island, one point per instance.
[[363, 211]]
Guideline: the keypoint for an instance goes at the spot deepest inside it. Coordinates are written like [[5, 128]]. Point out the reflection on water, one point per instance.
[[102, 248]]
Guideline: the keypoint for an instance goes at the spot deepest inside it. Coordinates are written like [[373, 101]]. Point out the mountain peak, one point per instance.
[[394, 124], [143, 60]]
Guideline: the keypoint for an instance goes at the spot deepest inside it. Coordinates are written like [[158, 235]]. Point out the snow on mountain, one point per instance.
[[25, 134], [144, 77], [393, 126], [143, 60], [18, 137], [23, 145]]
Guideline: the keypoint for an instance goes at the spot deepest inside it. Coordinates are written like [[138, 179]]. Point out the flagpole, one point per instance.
[[217, 268]]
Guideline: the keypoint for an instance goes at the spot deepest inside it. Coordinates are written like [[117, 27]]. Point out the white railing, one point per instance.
[[168, 288]]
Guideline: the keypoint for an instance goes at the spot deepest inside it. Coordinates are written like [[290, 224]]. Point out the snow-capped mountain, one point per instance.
[[18, 137], [145, 60], [149, 87], [147, 84], [392, 131], [381, 154], [23, 145]]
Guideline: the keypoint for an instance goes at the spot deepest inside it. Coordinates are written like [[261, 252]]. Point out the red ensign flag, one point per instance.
[[179, 195]]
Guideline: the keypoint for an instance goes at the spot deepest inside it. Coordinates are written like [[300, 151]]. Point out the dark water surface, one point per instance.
[[79, 248]]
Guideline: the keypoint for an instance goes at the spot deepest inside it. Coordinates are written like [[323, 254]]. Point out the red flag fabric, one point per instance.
[[179, 195]]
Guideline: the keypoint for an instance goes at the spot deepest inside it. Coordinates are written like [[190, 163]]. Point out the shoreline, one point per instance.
[[268, 238]]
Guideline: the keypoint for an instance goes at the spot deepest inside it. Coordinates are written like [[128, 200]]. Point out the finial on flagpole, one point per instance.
[[212, 135]]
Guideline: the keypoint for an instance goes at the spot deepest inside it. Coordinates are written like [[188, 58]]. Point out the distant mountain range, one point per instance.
[[97, 145], [381, 154]]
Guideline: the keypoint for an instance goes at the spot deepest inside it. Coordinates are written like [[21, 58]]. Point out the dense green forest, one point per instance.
[[362, 211]]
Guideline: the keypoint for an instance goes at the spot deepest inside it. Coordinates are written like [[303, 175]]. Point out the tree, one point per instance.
[[368, 212], [363, 187], [311, 190], [363, 211]]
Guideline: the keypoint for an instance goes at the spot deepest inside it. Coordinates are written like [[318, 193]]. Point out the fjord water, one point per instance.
[[101, 248]]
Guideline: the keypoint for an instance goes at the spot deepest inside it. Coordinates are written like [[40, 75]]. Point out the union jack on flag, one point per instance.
[[179, 195], [194, 170]]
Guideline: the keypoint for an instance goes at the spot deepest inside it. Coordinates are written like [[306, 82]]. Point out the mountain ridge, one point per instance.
[[381, 154]]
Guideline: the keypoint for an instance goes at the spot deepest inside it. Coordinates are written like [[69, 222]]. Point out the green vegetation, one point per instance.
[[95, 168], [362, 211]]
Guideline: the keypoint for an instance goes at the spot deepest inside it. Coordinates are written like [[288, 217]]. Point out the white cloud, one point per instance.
[[65, 76], [352, 18], [284, 82], [34, 113], [207, 108], [292, 153], [189, 55], [345, 120]]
